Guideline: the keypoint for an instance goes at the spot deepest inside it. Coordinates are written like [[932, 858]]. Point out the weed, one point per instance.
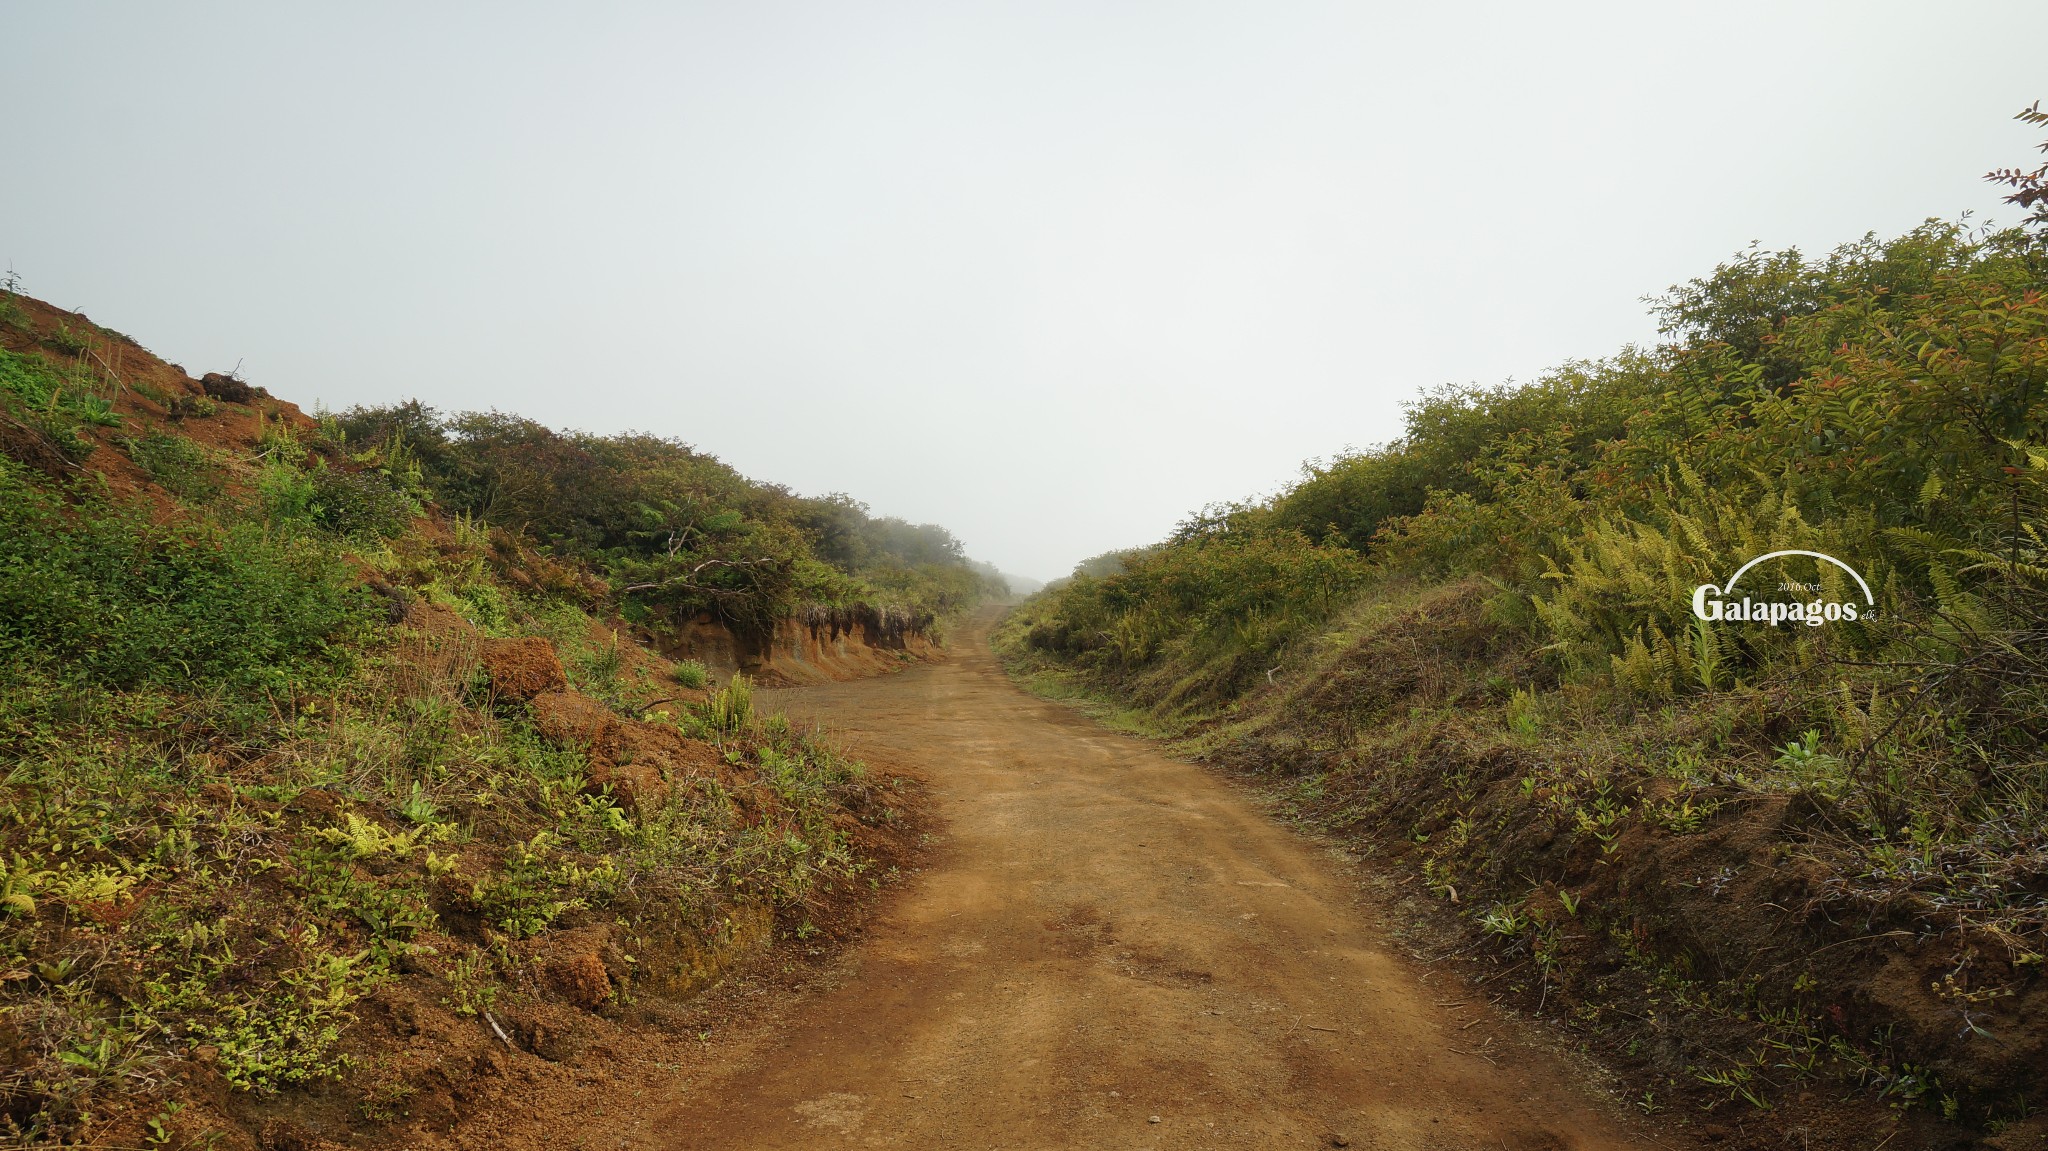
[[691, 674], [159, 1124], [530, 892], [95, 891], [57, 402], [185, 469], [471, 989], [599, 669], [69, 340], [95, 410], [359, 838], [359, 504], [384, 1102], [1684, 814], [1505, 921], [192, 407], [277, 441], [730, 709], [469, 531], [1740, 1081], [19, 883], [268, 1044], [1810, 768], [1522, 715], [417, 807]]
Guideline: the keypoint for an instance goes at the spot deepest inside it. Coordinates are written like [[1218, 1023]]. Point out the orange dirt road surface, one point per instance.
[[1110, 948]]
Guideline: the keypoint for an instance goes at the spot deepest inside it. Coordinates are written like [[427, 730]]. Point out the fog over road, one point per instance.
[[1104, 935]]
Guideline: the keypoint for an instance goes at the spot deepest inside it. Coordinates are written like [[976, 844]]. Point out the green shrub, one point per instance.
[[31, 379], [691, 674], [1879, 404], [597, 669], [358, 504], [69, 340], [730, 710], [286, 494], [185, 469], [107, 596], [678, 531], [53, 401], [278, 441], [532, 890], [1218, 595]]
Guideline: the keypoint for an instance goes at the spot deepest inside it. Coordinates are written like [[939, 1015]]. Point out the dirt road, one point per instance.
[[1114, 949]]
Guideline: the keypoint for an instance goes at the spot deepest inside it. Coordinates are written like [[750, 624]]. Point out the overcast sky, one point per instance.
[[1050, 274]]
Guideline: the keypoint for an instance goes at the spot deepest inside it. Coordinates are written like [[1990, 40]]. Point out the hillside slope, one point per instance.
[[336, 810], [1790, 870]]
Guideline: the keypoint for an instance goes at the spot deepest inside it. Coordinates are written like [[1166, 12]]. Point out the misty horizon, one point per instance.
[[1051, 278]]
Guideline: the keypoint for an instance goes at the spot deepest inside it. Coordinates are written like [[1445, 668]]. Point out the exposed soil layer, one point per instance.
[[1108, 948], [818, 645]]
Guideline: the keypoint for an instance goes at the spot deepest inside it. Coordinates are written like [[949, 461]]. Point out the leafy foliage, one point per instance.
[[102, 594], [1222, 596], [1478, 642], [679, 531], [248, 777], [182, 467], [2030, 189], [56, 402], [235, 801], [1880, 403]]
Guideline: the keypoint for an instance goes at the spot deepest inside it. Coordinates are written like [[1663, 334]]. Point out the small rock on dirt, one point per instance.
[[661, 746], [522, 668], [580, 979], [567, 719], [633, 760], [635, 786]]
